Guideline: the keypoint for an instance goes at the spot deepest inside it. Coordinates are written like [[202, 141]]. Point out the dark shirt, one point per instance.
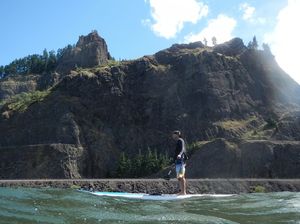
[[178, 149]]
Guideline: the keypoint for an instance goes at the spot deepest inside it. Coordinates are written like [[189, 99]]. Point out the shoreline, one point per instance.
[[162, 186]]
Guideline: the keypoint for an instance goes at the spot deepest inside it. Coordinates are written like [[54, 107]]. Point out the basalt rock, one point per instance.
[[246, 159], [233, 47], [228, 91], [17, 84], [90, 51]]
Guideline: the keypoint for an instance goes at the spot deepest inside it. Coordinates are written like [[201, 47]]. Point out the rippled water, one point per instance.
[[24, 205]]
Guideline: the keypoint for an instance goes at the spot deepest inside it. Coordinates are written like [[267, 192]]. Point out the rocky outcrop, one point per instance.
[[233, 47], [288, 128], [246, 159], [90, 51], [132, 106], [40, 161], [13, 85]]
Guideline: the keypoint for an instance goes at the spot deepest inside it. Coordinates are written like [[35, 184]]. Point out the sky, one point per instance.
[[134, 28]]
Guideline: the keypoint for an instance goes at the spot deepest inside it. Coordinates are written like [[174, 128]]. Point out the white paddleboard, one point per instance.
[[160, 197]]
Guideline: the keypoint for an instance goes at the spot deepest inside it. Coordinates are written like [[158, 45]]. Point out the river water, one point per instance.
[[48, 205]]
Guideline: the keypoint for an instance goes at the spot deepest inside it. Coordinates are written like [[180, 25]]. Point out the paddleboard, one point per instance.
[[160, 197]]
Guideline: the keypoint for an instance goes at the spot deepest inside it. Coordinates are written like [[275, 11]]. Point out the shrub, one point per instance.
[[271, 123], [22, 101], [259, 189], [142, 164]]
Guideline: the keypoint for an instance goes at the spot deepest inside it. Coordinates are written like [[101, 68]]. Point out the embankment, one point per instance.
[[218, 186]]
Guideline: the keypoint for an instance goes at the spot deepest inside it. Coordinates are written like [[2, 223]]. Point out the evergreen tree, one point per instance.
[[124, 166], [137, 165], [250, 45], [45, 58], [52, 62], [141, 165], [254, 43], [2, 74]]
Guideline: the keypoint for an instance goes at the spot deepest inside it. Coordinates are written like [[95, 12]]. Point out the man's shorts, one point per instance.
[[180, 170]]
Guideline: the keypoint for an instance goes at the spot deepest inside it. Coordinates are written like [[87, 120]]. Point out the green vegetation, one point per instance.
[[21, 102], [253, 44], [84, 72], [258, 134], [231, 145], [258, 189], [31, 64], [193, 147], [141, 165], [271, 123], [235, 124], [112, 63], [103, 68], [265, 131], [35, 64], [75, 187]]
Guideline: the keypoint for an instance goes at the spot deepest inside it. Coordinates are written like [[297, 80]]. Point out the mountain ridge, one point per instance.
[[92, 115]]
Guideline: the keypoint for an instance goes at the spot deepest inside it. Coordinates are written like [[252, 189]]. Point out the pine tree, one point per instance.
[[124, 166], [45, 59], [2, 74], [254, 43], [52, 61]]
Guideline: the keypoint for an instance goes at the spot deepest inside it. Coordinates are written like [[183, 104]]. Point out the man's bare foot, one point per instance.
[[181, 193]]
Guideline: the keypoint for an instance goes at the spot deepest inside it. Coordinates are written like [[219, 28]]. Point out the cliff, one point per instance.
[[84, 123], [89, 51]]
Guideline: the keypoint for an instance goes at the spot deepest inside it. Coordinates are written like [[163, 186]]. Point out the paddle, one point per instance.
[[168, 176]]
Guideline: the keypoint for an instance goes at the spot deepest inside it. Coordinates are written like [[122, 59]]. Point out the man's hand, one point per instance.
[[179, 157]]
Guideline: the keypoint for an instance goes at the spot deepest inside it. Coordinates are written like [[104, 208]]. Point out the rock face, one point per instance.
[[228, 91], [231, 48], [13, 85], [41, 161], [90, 51], [246, 159]]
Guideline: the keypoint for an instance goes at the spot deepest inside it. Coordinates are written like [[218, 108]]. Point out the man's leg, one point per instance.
[[182, 185]]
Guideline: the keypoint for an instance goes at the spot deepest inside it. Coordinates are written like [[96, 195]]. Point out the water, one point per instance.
[[48, 205]]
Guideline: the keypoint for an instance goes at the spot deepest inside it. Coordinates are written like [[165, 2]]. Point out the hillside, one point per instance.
[[81, 125]]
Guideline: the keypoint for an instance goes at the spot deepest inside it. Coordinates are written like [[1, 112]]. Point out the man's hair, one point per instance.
[[178, 133]]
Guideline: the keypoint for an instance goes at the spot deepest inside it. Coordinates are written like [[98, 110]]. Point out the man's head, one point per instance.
[[176, 135]]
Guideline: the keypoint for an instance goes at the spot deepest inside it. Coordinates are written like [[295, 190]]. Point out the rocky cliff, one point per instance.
[[94, 114], [90, 51]]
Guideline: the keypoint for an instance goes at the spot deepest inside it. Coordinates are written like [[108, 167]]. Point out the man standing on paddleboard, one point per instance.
[[180, 161]]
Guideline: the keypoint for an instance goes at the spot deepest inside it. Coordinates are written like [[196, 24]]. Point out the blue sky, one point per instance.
[[141, 27]]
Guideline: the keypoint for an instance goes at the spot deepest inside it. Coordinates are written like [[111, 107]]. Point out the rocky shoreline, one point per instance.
[[214, 186]]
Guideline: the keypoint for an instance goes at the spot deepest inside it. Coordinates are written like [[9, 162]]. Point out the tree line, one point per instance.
[[251, 45], [141, 165], [35, 63]]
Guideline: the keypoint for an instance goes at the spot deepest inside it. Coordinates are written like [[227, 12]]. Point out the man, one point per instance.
[[180, 158]]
